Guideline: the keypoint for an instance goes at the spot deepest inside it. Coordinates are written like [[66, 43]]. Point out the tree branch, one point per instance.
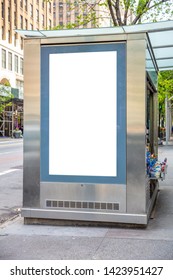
[[126, 5], [112, 12], [142, 11], [157, 4], [117, 11], [147, 6]]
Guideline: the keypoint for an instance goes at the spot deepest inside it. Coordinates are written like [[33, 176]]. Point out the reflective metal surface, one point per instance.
[[84, 39], [136, 92], [132, 199], [140, 219], [155, 117], [31, 177], [84, 192]]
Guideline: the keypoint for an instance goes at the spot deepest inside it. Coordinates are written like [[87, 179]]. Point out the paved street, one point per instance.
[[36, 242], [11, 165]]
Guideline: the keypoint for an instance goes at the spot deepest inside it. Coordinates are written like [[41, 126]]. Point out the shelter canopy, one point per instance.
[[160, 35]]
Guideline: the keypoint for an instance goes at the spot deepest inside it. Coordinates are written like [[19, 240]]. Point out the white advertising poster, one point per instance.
[[83, 114]]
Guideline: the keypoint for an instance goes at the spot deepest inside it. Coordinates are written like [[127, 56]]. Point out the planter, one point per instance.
[[17, 134]]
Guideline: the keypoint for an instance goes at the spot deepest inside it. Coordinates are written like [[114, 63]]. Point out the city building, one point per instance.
[[18, 14], [83, 14]]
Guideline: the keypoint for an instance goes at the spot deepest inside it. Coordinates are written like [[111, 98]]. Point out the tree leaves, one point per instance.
[[5, 97], [121, 12], [165, 87]]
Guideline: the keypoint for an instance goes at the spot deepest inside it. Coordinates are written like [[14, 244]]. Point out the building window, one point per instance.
[[60, 9], [16, 63], [2, 9], [26, 24], [68, 6], [60, 17], [50, 24], [26, 5], [21, 43], [42, 20], [19, 85], [37, 15], [50, 7], [31, 10], [15, 39], [9, 36], [21, 66], [8, 14], [3, 58], [31, 26], [10, 66], [2, 32], [43, 4], [21, 3], [15, 19], [21, 22]]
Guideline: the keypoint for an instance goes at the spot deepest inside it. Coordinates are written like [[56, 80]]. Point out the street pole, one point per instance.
[[167, 119]]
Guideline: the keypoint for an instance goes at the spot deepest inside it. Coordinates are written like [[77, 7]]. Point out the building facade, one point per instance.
[[79, 14], [18, 14]]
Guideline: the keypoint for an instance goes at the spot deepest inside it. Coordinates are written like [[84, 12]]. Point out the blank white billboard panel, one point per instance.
[[83, 114]]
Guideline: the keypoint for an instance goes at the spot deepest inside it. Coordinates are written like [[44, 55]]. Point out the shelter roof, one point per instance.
[[160, 35]]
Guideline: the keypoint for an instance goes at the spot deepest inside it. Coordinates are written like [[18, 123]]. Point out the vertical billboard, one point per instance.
[[83, 113]]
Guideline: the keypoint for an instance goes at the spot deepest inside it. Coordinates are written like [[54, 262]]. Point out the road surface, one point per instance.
[[11, 165]]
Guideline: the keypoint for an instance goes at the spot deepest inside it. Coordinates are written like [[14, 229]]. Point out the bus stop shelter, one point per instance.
[[90, 122]]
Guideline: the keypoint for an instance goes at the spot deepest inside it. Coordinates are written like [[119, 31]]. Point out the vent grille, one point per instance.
[[82, 205]]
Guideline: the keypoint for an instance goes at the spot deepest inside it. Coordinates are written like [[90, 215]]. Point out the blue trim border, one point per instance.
[[121, 113]]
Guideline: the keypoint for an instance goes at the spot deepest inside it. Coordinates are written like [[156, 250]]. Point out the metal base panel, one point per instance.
[[83, 197], [152, 201], [85, 216]]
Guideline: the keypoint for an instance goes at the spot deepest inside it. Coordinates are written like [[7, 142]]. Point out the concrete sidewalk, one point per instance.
[[9, 139], [19, 241]]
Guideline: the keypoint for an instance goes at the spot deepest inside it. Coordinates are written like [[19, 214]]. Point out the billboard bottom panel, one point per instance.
[[44, 216]]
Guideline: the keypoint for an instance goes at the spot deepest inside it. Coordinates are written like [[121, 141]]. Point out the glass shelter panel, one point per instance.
[[150, 68], [162, 53]]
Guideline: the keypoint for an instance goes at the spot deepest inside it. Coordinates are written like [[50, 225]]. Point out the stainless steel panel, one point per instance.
[[36, 192], [136, 92], [152, 200], [31, 178], [83, 39], [156, 121], [140, 219], [135, 36], [83, 192], [91, 38]]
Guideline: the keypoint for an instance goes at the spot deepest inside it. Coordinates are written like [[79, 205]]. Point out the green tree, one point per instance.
[[5, 98], [165, 88], [124, 12]]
